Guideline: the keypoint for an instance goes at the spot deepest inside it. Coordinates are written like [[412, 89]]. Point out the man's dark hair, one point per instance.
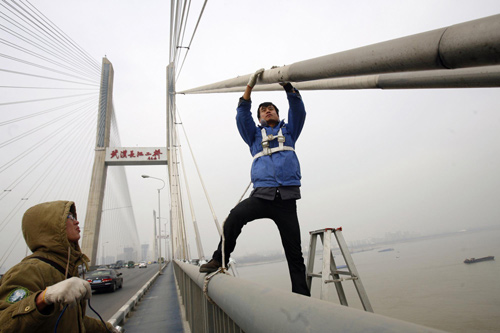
[[266, 104]]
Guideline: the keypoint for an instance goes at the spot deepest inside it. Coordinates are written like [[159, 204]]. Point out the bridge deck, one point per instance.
[[159, 309]]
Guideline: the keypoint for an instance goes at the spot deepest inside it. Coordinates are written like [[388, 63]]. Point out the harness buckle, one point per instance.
[[281, 138], [265, 144]]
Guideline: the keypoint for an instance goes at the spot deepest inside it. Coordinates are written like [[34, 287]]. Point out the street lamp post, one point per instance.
[[159, 218]]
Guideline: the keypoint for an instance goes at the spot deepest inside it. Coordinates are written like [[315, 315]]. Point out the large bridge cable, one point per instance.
[[191, 41], [219, 229], [40, 142], [12, 246], [49, 152], [3, 123], [460, 46], [32, 64], [37, 128], [199, 246], [78, 50], [181, 30], [217, 225], [69, 160], [63, 44]]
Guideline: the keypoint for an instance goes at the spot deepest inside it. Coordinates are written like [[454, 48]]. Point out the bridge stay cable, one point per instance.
[[84, 55], [199, 246], [207, 196], [58, 46], [52, 32], [69, 160], [36, 114], [191, 41], [181, 28]]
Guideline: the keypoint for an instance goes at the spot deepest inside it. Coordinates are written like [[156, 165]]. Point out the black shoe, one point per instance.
[[210, 266]]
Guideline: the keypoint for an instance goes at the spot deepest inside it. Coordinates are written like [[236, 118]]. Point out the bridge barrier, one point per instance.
[[118, 319], [244, 306]]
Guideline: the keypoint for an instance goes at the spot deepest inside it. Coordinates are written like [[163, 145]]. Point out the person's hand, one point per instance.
[[253, 78], [67, 292], [287, 86]]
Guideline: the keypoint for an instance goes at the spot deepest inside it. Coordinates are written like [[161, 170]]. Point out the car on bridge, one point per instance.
[[131, 264], [143, 264], [105, 279]]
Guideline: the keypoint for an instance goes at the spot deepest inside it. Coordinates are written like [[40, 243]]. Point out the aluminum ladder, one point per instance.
[[330, 273]]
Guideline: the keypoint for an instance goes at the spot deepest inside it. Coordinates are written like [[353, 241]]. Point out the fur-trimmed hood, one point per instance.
[[44, 229]]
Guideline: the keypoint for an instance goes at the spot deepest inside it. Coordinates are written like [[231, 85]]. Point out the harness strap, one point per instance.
[[265, 144], [53, 264]]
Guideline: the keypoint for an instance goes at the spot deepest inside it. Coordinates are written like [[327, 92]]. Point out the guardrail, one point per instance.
[[118, 319], [244, 306]]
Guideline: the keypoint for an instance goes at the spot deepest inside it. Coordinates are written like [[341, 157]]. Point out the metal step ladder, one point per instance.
[[330, 273]]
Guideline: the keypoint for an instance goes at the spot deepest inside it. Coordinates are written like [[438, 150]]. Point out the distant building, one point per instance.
[[144, 252], [129, 253]]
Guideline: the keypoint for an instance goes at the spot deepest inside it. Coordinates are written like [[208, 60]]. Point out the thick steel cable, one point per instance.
[[44, 99], [192, 37], [85, 55], [43, 112], [40, 180], [90, 78], [86, 168], [53, 149], [69, 161], [44, 88], [183, 27], [45, 77], [73, 161], [23, 201], [37, 163], [201, 178], [41, 26], [6, 254], [51, 46], [179, 30], [171, 36], [199, 246], [37, 128], [32, 148], [70, 59], [86, 72]]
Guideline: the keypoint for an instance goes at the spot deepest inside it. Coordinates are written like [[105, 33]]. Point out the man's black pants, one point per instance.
[[284, 214]]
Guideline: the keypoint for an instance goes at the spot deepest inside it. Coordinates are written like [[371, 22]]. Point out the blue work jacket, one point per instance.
[[281, 168]]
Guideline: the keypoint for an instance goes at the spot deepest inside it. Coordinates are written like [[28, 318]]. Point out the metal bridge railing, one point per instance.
[[244, 306]]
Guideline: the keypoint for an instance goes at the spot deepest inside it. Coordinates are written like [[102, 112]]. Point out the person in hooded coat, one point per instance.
[[33, 292]]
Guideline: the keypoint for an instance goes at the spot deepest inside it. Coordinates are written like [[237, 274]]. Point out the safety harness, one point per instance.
[[265, 144]]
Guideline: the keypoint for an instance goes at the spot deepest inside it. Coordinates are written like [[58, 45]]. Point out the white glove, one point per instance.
[[253, 78], [68, 292]]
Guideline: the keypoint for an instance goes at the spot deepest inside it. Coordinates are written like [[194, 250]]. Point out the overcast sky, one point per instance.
[[372, 161]]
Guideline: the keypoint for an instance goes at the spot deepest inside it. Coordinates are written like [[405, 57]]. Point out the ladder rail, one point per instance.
[[329, 267], [337, 280], [363, 296]]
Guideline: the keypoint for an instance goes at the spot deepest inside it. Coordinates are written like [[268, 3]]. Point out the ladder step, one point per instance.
[[342, 279], [314, 275], [329, 264]]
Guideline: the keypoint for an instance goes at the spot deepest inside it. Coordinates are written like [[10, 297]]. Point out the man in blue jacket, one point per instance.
[[276, 178]]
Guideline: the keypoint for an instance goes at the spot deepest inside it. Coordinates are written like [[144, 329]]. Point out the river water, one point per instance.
[[422, 281]]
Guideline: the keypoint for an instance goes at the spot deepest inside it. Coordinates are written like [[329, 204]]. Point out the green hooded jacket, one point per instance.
[[44, 229]]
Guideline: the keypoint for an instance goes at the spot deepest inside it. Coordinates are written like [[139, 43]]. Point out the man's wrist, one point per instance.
[[40, 302], [288, 87]]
